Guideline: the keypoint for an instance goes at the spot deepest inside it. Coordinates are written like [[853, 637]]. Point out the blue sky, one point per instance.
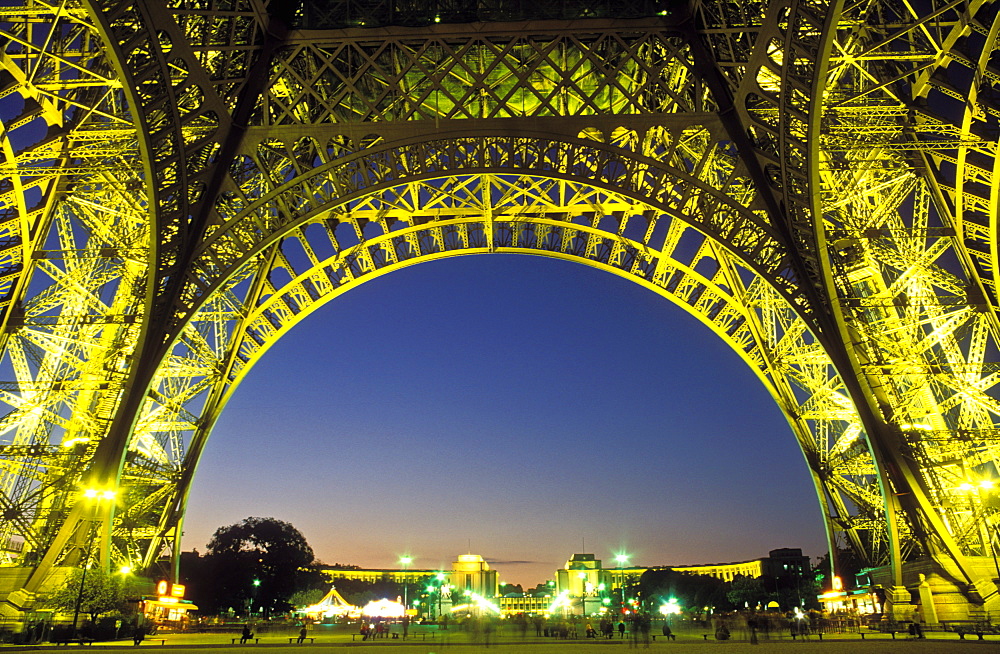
[[519, 407]]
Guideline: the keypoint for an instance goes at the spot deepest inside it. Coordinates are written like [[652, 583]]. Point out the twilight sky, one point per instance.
[[517, 406]]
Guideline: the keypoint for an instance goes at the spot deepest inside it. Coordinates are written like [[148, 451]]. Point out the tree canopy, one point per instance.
[[101, 593], [256, 563]]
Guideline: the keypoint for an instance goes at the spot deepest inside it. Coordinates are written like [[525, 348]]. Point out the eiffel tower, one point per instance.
[[184, 181]]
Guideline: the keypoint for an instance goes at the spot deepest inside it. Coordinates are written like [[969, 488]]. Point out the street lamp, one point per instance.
[[621, 559], [95, 496], [441, 579], [253, 596], [405, 561]]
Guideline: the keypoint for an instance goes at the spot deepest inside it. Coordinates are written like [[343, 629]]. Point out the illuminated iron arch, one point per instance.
[[732, 299]]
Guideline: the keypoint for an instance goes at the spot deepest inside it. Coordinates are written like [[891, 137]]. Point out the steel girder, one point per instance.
[[186, 181]]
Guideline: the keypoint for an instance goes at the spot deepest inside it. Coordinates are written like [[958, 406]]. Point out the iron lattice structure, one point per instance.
[[185, 181]]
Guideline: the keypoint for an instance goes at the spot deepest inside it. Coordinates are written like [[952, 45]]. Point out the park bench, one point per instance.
[[292, 639], [891, 628], [256, 641], [162, 641], [78, 640], [978, 627]]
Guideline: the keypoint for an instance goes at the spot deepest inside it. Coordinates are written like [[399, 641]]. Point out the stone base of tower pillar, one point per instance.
[[898, 604], [14, 600], [937, 592]]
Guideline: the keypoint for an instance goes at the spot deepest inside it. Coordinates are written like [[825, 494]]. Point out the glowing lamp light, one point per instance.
[[94, 493], [671, 607], [838, 584], [125, 569], [73, 441]]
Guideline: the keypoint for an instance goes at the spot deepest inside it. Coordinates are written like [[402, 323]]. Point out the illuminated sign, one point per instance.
[[162, 587], [177, 590]]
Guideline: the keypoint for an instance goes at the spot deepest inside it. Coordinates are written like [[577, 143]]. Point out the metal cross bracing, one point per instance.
[[185, 181]]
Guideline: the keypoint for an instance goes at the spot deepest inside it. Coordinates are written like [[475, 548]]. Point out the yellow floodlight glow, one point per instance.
[[482, 602], [560, 600], [73, 441], [966, 486], [670, 607], [125, 569], [96, 493]]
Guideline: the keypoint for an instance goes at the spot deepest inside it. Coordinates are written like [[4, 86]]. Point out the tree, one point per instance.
[[747, 592], [657, 586], [255, 563], [306, 597], [102, 593]]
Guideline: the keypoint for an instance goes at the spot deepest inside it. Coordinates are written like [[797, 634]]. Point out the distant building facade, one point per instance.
[[583, 577], [470, 572], [584, 570]]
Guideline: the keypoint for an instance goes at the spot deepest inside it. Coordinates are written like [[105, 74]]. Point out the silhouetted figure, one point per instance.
[[138, 635], [245, 635], [302, 635]]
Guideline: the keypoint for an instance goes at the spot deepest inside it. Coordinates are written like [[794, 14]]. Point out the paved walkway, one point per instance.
[[457, 643]]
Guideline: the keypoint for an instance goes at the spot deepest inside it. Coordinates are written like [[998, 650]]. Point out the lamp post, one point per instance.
[[620, 559], [405, 561], [95, 496], [253, 595], [440, 578]]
